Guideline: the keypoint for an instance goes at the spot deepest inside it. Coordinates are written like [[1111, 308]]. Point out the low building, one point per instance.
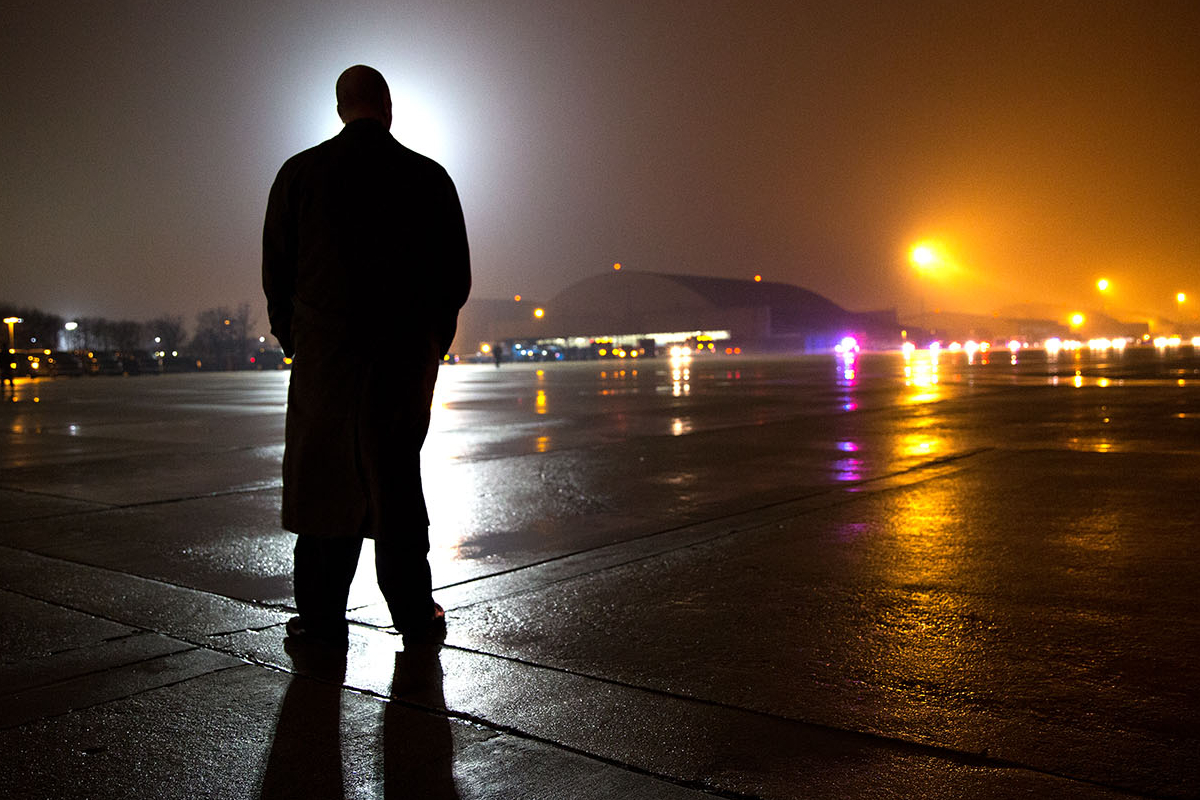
[[629, 308]]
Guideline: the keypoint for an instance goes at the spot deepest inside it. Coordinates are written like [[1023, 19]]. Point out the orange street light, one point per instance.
[[924, 256], [539, 312], [1102, 286], [10, 322], [1077, 320]]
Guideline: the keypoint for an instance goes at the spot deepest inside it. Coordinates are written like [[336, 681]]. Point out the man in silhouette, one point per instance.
[[365, 266]]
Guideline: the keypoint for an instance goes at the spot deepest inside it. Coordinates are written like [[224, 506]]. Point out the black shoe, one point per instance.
[[298, 634], [317, 658], [430, 631]]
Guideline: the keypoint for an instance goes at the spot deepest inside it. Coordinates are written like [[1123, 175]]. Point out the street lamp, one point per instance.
[[12, 341], [926, 259], [1102, 286], [923, 256]]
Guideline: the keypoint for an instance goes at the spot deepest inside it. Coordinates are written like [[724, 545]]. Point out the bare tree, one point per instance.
[[166, 332], [221, 340], [126, 336], [36, 330], [95, 333]]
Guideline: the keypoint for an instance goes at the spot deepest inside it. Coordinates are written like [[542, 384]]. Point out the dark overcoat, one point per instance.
[[365, 266]]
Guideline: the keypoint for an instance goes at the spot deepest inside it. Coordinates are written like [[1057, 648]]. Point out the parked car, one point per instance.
[[26, 363], [65, 364], [103, 364], [139, 362]]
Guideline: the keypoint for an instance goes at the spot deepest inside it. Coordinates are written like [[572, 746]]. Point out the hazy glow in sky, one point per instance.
[[1042, 145], [416, 122]]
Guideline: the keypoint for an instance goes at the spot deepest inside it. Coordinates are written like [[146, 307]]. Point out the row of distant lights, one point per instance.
[[1051, 345], [683, 351], [1174, 341], [534, 351]]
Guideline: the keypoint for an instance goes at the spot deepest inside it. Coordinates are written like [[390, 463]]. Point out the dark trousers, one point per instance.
[[324, 569]]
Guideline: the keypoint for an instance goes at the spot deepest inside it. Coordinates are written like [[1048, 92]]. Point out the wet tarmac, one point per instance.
[[760, 578]]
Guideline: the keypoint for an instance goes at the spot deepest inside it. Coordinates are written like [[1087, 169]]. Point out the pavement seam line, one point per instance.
[[904, 745], [110, 668], [136, 632], [837, 498], [941, 752], [112, 570], [509, 730], [103, 507], [833, 490], [84, 707], [35, 493]]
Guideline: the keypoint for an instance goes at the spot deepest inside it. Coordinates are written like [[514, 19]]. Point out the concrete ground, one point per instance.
[[752, 579]]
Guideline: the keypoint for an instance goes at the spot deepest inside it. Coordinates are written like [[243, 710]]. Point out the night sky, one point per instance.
[[1039, 145]]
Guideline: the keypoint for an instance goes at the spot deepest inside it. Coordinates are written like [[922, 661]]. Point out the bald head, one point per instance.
[[362, 93]]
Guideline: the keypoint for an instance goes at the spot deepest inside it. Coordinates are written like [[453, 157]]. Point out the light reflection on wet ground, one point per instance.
[[582, 404], [537, 459], [785, 426]]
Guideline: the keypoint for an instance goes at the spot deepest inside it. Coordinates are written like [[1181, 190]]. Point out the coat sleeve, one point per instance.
[[456, 271], [279, 263]]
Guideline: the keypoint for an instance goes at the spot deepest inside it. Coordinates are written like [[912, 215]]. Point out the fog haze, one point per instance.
[[1041, 146]]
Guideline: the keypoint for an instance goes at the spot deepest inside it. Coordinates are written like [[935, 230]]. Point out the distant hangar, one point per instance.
[[631, 308]]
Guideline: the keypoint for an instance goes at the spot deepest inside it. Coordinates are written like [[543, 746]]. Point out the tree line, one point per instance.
[[221, 339]]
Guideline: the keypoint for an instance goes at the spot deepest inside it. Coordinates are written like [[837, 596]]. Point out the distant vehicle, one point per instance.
[[103, 364], [139, 362], [536, 352], [27, 363], [269, 358], [65, 364], [150, 364]]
